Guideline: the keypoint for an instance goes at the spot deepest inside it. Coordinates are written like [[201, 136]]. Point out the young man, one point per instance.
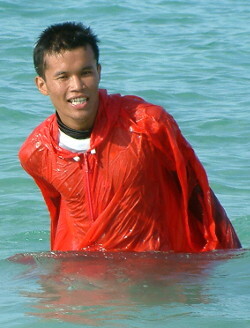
[[115, 172]]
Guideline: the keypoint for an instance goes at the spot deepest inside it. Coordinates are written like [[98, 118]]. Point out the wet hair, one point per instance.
[[61, 37]]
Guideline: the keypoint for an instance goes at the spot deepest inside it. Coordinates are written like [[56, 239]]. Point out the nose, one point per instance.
[[76, 83]]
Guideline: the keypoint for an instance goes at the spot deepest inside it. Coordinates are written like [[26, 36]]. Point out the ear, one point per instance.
[[41, 85]]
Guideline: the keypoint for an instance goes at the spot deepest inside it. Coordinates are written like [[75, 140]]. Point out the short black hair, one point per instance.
[[60, 37]]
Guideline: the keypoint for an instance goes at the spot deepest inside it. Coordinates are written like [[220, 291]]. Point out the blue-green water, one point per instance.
[[192, 57]]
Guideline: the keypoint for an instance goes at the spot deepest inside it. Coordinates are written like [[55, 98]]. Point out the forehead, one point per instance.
[[69, 58]]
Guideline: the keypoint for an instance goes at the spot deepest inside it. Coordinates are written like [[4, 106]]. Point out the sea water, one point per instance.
[[193, 58]]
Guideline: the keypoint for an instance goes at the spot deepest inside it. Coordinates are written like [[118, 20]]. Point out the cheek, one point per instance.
[[93, 82], [57, 97], [56, 91]]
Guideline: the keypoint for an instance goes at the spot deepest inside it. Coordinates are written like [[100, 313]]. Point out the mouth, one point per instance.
[[78, 101]]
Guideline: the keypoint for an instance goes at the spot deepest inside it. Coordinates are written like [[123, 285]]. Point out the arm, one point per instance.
[[32, 162], [202, 212]]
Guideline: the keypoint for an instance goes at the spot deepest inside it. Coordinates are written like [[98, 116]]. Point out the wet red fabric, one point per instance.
[[140, 187]]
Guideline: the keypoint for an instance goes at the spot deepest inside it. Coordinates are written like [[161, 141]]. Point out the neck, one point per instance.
[[84, 134]]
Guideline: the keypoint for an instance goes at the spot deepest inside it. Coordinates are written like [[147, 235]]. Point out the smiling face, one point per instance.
[[72, 82]]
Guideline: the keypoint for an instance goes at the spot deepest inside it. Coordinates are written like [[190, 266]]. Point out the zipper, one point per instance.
[[87, 184]]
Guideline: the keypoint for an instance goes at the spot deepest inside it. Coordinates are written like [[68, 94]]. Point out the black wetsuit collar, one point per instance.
[[76, 134]]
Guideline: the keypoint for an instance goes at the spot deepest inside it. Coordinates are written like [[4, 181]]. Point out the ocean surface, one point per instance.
[[193, 58]]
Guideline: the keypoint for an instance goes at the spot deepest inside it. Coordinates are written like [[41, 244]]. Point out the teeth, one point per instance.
[[78, 101]]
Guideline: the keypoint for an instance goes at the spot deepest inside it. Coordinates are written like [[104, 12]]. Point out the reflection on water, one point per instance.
[[90, 288]]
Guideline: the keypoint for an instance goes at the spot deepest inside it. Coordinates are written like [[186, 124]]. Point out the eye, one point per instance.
[[62, 77], [86, 72]]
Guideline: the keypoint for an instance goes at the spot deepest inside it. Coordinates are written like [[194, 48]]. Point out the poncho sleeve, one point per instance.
[[202, 211], [33, 163]]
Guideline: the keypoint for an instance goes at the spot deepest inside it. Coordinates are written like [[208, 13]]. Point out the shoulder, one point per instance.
[[139, 106], [133, 106], [146, 114], [37, 143]]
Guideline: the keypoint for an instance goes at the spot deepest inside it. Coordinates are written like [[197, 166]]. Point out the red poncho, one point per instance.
[[140, 187]]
